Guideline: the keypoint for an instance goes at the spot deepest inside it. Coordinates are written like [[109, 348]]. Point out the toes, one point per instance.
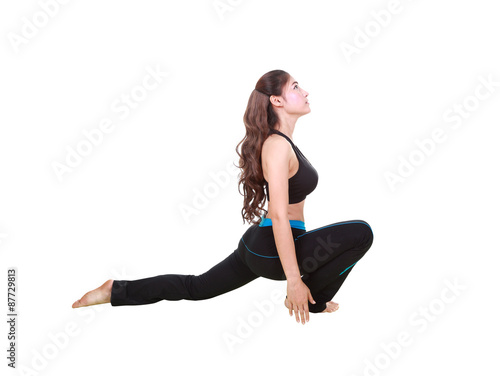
[[82, 302], [332, 306]]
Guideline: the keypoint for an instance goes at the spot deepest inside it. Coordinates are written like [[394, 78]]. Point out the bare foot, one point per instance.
[[100, 295], [331, 306]]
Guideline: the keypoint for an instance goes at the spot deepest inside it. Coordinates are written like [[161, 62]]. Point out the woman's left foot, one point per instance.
[[99, 295]]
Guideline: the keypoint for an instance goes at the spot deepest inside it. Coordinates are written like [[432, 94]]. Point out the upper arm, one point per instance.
[[275, 161]]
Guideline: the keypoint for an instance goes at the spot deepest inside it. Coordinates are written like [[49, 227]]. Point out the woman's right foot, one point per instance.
[[331, 306], [100, 295]]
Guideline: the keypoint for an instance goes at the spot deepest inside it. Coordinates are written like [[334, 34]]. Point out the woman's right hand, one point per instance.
[[298, 295]]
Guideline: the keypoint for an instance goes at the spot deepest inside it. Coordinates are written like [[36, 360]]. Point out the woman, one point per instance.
[[314, 263]]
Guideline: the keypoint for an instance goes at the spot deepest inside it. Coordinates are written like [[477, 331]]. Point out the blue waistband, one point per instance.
[[264, 222]]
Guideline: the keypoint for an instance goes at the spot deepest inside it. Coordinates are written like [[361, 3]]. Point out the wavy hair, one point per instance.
[[259, 119]]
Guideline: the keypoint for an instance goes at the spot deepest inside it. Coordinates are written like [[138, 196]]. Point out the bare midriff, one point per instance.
[[295, 211]]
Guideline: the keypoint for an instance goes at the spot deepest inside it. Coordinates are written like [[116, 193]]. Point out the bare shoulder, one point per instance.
[[276, 153], [275, 146]]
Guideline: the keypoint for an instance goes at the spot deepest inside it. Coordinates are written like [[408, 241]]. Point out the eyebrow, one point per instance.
[[295, 83]]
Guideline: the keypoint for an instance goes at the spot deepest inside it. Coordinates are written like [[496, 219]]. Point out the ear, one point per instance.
[[276, 100]]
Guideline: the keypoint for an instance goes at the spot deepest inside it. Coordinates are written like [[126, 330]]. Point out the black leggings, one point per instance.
[[325, 257]]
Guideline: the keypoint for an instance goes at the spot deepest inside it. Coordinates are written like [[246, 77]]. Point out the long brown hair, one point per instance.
[[259, 118]]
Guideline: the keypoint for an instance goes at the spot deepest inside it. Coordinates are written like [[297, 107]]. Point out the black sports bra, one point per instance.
[[305, 179]]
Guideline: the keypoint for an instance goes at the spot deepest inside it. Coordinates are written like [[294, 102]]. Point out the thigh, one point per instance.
[[314, 248], [258, 250]]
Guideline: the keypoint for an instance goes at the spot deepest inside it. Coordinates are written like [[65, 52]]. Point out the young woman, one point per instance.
[[277, 246]]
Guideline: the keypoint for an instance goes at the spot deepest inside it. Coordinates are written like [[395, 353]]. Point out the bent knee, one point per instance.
[[367, 235]]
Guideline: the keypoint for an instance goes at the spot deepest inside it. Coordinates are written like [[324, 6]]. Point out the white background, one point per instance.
[[118, 213]]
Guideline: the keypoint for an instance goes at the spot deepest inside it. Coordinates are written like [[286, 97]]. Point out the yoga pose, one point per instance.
[[277, 246]]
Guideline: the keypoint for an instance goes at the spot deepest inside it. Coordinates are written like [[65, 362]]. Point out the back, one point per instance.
[[305, 179]]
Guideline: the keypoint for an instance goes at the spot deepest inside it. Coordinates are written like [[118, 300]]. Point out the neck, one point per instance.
[[286, 128]]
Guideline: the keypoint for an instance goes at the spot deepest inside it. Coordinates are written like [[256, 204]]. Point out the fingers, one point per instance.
[[304, 314], [301, 309], [311, 299], [297, 313]]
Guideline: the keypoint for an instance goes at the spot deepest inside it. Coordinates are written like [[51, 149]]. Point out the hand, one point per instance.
[[298, 295]]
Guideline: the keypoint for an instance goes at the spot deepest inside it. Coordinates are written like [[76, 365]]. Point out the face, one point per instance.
[[294, 99]]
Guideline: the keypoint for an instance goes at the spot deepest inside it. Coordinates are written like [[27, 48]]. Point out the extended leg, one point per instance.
[[231, 273]]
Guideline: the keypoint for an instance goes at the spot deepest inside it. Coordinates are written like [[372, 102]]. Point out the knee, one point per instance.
[[369, 239], [366, 236]]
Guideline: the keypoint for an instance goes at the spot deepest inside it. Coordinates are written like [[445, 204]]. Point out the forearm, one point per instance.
[[286, 248]]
